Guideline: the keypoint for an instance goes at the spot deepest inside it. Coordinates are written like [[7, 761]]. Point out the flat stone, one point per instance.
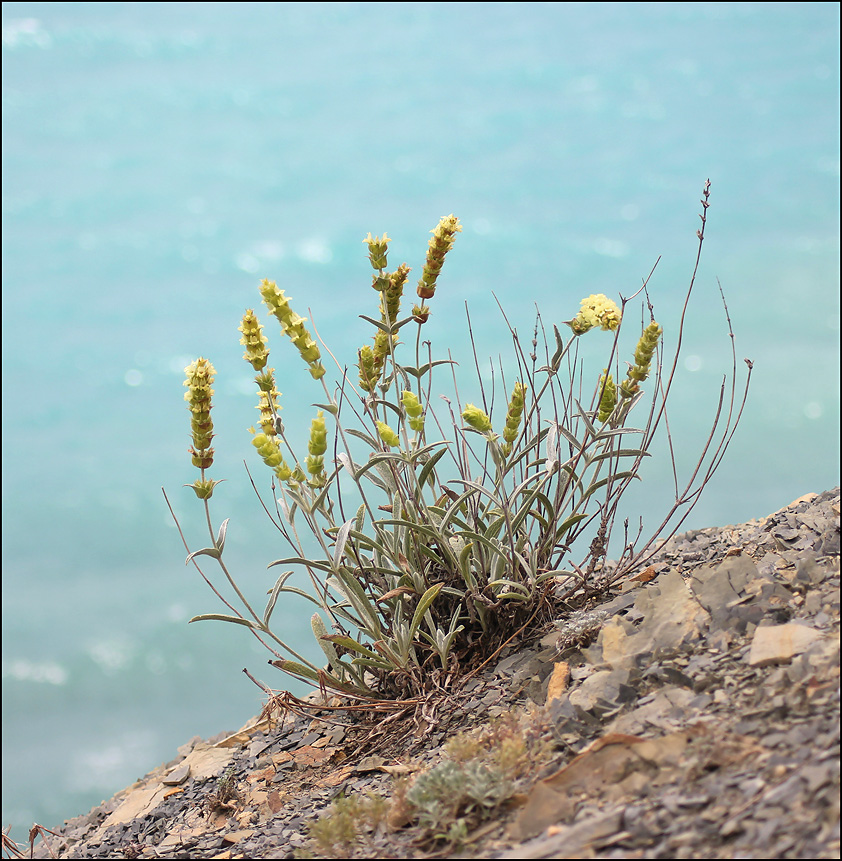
[[779, 643]]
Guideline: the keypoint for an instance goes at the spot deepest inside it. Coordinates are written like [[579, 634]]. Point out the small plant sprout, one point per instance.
[[431, 538]]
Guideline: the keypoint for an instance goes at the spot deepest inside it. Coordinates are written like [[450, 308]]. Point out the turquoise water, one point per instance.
[[159, 159]]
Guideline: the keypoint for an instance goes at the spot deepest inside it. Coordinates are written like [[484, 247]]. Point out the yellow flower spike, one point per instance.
[[388, 435], [318, 435], [597, 310], [268, 449], [476, 418], [283, 472], [643, 353], [378, 248], [381, 345], [292, 325], [443, 238], [390, 299], [369, 368], [609, 396], [513, 416], [267, 414], [199, 376], [317, 445], [414, 410], [254, 341]]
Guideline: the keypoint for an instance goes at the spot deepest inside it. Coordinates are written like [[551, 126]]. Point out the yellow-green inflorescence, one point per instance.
[[513, 417], [199, 378], [317, 447], [388, 435], [269, 408], [414, 410], [608, 400], [254, 341], [597, 310], [476, 418], [642, 360], [390, 285], [268, 448], [443, 238], [292, 325]]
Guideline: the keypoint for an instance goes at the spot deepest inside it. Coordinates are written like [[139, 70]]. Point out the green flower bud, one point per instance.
[[318, 435], [476, 418], [414, 410], [388, 435], [420, 313], [203, 487]]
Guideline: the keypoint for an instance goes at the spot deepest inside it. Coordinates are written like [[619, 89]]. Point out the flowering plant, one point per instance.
[[465, 527]]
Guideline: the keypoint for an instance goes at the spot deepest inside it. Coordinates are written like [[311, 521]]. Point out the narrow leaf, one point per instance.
[[221, 617], [220, 538], [273, 596], [207, 551]]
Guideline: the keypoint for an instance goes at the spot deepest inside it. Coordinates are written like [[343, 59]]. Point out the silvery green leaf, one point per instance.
[[220, 537], [423, 605], [425, 368], [378, 323], [346, 461], [430, 465], [352, 645], [365, 437], [320, 633], [333, 409], [589, 425], [222, 617], [341, 539], [207, 551], [300, 560], [552, 448], [555, 362], [350, 587], [273, 596], [620, 452], [570, 522]]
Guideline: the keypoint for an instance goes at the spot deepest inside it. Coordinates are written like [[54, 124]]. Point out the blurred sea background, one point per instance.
[[159, 159]]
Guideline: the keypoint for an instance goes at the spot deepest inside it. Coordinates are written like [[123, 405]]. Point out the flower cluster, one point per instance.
[[414, 410], [199, 377], [443, 238], [608, 400], [597, 310], [254, 341], [268, 448], [317, 446], [293, 326], [642, 359], [388, 435], [513, 416], [476, 418], [269, 407], [378, 248]]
